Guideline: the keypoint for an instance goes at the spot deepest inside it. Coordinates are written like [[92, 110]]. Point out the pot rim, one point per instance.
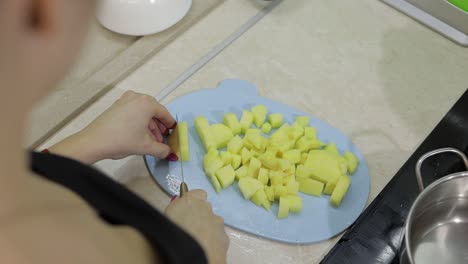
[[422, 195]]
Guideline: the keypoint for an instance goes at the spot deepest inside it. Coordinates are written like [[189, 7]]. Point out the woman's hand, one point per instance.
[[194, 214], [134, 125]]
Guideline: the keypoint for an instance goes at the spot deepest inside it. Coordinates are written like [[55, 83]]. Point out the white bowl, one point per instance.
[[141, 17]]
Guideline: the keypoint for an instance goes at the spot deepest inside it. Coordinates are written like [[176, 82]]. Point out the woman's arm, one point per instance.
[[134, 125]]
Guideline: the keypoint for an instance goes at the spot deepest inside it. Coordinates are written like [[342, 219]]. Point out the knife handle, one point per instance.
[[183, 189]]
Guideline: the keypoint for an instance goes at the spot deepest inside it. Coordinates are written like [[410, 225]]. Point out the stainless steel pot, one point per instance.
[[437, 224]]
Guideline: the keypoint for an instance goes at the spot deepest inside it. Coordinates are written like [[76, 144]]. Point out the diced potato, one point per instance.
[[222, 134], [271, 149], [257, 142], [340, 191], [332, 148], [204, 131], [230, 119], [184, 141], [278, 138], [247, 144], [213, 165], [273, 173], [252, 132], [293, 155], [292, 188], [263, 144], [285, 127], [254, 167], [291, 134], [303, 172], [259, 114], [246, 156], [280, 191], [215, 183], [235, 145], [341, 160], [276, 120], [263, 176], [274, 143], [276, 179], [241, 172], [324, 165], [260, 144], [306, 172], [266, 128], [249, 186], [295, 203], [289, 179], [295, 132], [282, 143], [305, 144], [254, 137], [226, 176], [201, 122], [274, 168], [210, 156], [226, 157], [310, 187], [352, 161], [269, 160], [179, 142], [236, 161], [343, 164], [304, 157], [284, 164], [287, 146], [329, 188], [260, 199], [291, 170], [213, 152], [270, 193], [302, 121], [255, 153], [283, 210], [246, 120], [310, 132], [280, 134]]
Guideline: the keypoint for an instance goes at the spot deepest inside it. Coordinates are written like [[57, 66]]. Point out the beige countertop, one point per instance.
[[368, 70], [106, 59]]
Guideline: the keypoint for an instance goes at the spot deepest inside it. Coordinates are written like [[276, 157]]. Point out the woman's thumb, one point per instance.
[[162, 151]]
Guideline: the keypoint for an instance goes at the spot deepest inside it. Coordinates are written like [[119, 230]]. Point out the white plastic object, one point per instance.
[[141, 17]]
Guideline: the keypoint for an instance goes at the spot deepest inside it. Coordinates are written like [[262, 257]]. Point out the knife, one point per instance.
[[183, 186]]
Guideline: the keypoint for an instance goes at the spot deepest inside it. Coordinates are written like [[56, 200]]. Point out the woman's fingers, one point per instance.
[[160, 150], [164, 130], [160, 113], [198, 194], [155, 131]]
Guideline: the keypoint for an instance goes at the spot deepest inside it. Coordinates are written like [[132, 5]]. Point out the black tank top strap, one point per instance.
[[119, 206]]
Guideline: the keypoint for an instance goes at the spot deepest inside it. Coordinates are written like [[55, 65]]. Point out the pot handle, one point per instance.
[[421, 160]]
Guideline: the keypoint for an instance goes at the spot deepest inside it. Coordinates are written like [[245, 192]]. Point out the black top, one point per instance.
[[119, 206]]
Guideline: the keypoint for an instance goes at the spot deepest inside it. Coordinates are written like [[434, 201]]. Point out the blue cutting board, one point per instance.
[[318, 220]]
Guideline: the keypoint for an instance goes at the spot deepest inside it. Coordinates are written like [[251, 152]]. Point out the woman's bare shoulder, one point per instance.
[[58, 227]]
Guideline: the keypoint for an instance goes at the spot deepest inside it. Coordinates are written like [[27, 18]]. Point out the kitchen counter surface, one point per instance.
[[368, 70]]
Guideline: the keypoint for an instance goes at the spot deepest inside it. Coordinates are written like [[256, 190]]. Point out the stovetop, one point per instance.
[[376, 235]]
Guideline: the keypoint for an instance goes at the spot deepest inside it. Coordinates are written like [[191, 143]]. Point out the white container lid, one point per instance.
[[141, 17]]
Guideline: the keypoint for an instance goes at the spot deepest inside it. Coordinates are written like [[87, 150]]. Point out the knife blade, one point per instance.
[[183, 186]]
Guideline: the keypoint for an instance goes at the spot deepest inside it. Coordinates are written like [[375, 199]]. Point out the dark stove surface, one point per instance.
[[376, 235]]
